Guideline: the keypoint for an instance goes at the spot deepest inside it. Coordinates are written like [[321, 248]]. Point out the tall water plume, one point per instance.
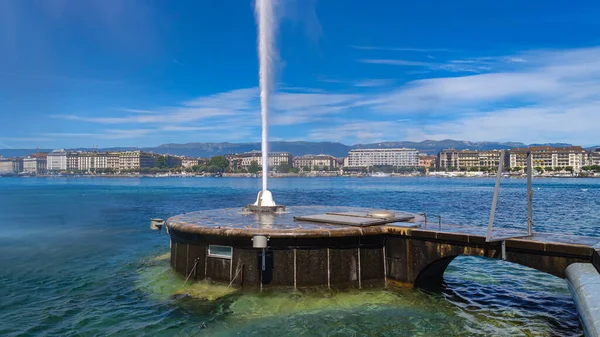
[[265, 15]]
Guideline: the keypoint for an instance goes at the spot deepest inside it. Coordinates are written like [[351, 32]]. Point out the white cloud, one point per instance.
[[380, 82], [396, 62], [359, 131], [408, 49], [533, 96], [105, 134], [576, 124], [25, 139]]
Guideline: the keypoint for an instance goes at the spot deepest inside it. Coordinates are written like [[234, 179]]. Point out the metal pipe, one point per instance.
[[295, 272], [359, 274], [328, 271], [495, 198], [384, 266], [529, 193]]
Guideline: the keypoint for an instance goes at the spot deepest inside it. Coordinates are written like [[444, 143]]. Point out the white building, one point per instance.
[[549, 157], [11, 165], [189, 162], [57, 160], [315, 162], [35, 163], [244, 160], [391, 157]]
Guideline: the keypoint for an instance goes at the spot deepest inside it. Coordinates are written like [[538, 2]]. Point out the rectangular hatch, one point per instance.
[[359, 219]]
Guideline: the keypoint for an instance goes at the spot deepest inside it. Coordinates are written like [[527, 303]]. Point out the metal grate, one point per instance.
[[358, 219]]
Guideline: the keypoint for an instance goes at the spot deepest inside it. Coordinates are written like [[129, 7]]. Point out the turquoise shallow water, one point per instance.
[[77, 258]]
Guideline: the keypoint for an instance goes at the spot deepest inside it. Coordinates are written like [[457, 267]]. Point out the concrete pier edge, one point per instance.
[[584, 283]]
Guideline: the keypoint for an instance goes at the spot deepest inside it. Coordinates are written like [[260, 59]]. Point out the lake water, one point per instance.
[[77, 258]]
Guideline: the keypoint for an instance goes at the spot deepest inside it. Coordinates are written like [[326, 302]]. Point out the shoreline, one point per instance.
[[283, 175]]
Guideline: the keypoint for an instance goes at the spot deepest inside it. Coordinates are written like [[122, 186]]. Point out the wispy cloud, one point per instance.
[[138, 111], [176, 61], [465, 65], [397, 62], [407, 49], [105, 134], [532, 96], [379, 82], [25, 139], [358, 131]]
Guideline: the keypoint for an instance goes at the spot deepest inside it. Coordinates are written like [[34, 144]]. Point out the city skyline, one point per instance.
[[141, 74]]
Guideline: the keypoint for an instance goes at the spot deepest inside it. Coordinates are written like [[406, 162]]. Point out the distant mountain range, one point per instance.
[[298, 148]]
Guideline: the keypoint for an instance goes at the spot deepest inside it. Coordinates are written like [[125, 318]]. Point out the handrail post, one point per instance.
[[529, 193], [488, 237]]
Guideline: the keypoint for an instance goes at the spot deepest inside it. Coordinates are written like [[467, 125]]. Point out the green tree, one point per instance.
[[569, 169], [539, 169], [283, 168], [306, 169], [474, 168], [220, 162], [162, 162], [253, 168], [294, 170]]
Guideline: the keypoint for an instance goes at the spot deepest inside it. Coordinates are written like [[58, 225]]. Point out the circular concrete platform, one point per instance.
[[237, 222], [305, 246]]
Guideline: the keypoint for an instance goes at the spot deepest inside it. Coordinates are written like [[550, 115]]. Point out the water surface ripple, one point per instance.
[[77, 258]]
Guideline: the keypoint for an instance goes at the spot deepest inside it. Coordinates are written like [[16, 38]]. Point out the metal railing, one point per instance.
[[489, 237]]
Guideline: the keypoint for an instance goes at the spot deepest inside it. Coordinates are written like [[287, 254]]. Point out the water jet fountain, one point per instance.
[[265, 245]]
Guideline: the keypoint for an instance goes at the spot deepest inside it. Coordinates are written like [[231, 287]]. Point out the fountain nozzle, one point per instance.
[[265, 203]]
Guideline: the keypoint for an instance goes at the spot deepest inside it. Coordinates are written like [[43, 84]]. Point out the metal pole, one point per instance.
[[529, 193], [495, 198]]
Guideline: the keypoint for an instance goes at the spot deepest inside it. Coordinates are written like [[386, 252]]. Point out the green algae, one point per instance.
[[319, 311]]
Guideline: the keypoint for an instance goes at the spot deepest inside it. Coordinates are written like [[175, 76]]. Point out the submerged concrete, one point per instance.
[[584, 284]]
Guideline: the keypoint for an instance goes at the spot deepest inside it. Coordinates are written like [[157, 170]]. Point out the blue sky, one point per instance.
[[142, 73]]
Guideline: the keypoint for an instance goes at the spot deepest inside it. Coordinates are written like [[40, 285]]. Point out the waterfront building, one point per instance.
[[57, 160], [91, 161], [174, 161], [113, 161], [315, 162], [467, 159], [427, 161], [244, 160], [447, 159], [453, 159], [549, 157], [489, 158], [593, 157], [189, 162], [11, 165], [35, 163], [129, 160], [72, 161], [398, 157]]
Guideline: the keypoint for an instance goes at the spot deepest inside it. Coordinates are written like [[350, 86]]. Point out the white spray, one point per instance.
[[266, 51]]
